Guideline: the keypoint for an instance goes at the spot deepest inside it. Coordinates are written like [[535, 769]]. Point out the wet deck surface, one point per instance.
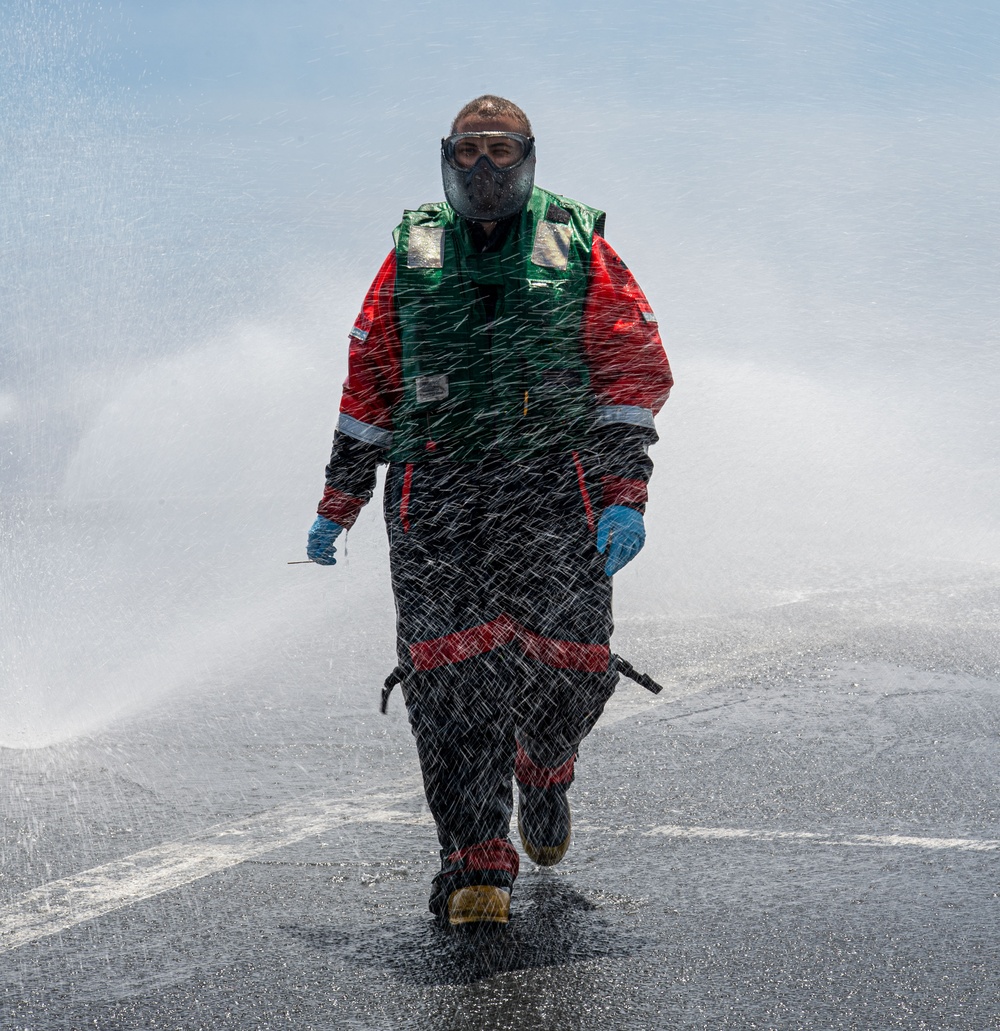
[[814, 843]]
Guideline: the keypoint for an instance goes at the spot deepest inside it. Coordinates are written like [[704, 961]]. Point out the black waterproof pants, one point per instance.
[[503, 625]]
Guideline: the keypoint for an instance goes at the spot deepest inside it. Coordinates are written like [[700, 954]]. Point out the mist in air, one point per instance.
[[195, 200]]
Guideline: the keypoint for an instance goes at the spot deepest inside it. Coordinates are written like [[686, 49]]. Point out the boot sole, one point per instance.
[[478, 904]]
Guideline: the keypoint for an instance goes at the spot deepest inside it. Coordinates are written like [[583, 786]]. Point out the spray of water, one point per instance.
[[176, 304], [164, 405]]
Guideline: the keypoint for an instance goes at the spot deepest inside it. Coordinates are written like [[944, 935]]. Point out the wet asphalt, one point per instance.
[[803, 831]]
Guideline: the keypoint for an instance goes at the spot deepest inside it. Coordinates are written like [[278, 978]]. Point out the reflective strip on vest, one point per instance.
[[551, 249], [364, 431], [633, 415], [426, 247]]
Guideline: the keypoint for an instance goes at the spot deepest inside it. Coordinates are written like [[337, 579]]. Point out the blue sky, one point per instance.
[[668, 54]]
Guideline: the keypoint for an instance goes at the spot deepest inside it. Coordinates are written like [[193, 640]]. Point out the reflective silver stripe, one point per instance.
[[649, 317], [364, 431], [426, 247], [552, 242], [359, 334], [631, 414]]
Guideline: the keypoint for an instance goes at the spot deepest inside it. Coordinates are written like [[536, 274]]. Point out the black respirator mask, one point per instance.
[[487, 175]]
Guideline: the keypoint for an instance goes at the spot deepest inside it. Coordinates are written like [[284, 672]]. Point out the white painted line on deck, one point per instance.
[[816, 838], [62, 904]]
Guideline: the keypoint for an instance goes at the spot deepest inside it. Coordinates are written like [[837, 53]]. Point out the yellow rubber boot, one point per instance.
[[478, 904]]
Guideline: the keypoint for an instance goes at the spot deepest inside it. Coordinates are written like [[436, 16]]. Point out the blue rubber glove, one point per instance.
[[622, 528], [322, 534]]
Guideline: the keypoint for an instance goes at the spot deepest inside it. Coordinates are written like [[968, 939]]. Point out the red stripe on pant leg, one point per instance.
[[531, 775], [588, 508], [463, 644], [404, 501], [591, 658]]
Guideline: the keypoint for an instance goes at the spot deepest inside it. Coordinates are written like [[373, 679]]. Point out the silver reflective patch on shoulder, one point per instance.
[[431, 388], [426, 247], [359, 334], [551, 248], [650, 317]]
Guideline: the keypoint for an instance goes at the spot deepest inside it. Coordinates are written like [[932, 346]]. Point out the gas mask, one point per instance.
[[487, 175]]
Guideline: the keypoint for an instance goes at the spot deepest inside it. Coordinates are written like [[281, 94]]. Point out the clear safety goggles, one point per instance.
[[505, 149]]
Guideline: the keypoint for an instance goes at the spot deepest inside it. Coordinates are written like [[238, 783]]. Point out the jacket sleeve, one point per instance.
[[629, 373], [364, 430]]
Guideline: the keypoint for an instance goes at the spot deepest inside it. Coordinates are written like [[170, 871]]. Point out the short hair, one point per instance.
[[489, 106]]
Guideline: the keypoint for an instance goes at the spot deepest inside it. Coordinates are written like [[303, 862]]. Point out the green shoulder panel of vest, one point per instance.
[[518, 383]]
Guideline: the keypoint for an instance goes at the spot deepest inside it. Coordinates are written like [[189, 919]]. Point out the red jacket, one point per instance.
[[629, 373]]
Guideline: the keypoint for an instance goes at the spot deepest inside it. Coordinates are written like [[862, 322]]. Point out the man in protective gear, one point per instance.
[[508, 368]]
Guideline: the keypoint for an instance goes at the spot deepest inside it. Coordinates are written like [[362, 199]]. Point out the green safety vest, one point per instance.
[[517, 385]]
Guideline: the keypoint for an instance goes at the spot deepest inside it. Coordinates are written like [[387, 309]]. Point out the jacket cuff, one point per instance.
[[620, 491], [340, 507]]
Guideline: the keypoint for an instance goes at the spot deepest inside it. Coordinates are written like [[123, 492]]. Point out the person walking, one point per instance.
[[507, 367]]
